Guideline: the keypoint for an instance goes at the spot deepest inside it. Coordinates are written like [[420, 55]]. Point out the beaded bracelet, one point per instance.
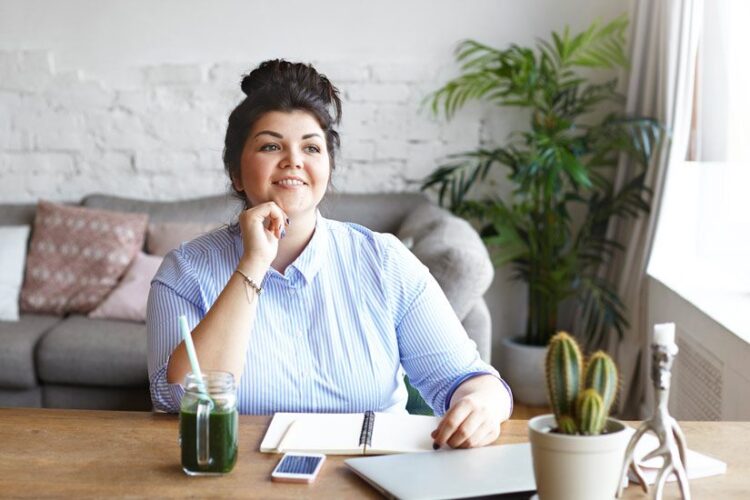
[[250, 282]]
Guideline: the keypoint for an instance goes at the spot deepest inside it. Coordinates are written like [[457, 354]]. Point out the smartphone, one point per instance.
[[298, 467]]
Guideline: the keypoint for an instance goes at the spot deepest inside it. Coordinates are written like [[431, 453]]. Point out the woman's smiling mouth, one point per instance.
[[290, 182]]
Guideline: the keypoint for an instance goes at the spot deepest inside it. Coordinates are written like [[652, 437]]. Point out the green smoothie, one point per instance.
[[223, 426]]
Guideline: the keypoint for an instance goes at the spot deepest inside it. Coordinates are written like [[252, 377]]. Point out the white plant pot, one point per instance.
[[522, 366], [576, 467]]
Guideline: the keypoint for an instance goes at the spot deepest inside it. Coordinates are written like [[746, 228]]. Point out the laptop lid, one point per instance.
[[490, 470]]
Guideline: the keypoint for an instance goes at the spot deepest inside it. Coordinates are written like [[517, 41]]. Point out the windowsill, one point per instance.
[[729, 308]]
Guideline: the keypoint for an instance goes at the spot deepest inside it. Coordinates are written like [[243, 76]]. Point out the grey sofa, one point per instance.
[[78, 362]]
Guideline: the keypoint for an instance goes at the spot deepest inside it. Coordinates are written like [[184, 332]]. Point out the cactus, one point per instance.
[[563, 369], [590, 413], [601, 374], [567, 425], [579, 411]]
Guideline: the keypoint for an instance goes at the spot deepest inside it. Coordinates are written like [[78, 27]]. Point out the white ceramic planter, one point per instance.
[[522, 366], [576, 467]]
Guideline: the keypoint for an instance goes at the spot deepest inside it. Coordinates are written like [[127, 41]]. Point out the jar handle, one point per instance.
[[202, 432]]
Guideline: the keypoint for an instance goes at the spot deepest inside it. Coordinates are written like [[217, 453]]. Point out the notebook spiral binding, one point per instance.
[[365, 436]]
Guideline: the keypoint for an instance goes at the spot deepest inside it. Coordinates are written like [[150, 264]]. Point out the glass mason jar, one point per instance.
[[209, 424]]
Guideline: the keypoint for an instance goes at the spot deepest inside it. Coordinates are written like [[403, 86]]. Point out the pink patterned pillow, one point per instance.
[[77, 255], [128, 300]]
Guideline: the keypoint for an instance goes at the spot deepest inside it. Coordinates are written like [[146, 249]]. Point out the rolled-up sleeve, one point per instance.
[[436, 352], [166, 302]]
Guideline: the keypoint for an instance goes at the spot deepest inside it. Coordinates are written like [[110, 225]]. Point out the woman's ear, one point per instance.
[[237, 182]]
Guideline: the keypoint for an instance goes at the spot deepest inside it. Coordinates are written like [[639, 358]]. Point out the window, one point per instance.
[[702, 246]]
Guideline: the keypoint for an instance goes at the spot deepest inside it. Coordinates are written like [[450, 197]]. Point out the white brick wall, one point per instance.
[[159, 134]]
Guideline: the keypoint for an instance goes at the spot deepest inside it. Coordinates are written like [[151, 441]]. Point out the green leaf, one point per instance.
[[576, 171], [600, 47]]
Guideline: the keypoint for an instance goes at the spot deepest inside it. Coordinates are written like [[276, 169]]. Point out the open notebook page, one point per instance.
[[333, 434], [399, 433]]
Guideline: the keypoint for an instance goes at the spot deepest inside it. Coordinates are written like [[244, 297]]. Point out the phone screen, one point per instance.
[[298, 464]]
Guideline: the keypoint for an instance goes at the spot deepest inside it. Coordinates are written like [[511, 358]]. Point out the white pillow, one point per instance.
[[13, 242]]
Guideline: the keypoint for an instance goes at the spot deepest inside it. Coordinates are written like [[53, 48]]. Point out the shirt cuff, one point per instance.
[[466, 377]]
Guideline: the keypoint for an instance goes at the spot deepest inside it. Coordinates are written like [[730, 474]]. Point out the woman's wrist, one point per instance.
[[253, 268], [488, 388]]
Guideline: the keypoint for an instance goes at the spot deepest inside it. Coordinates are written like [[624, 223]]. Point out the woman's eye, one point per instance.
[[313, 149], [269, 147]]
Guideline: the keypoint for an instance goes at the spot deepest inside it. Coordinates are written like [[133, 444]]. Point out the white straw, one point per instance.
[[192, 356]]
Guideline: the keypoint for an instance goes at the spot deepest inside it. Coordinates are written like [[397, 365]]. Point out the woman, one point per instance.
[[342, 308]]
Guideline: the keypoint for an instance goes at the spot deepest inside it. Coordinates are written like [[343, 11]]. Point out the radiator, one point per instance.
[[697, 381]]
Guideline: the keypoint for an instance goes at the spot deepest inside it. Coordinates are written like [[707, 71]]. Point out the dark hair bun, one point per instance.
[[297, 77]]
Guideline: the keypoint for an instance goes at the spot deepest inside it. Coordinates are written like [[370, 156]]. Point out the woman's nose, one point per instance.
[[293, 159]]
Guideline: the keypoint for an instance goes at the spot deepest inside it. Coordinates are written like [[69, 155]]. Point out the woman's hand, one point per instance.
[[262, 227], [476, 410]]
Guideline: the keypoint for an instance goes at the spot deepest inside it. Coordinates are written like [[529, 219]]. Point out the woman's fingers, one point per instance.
[[450, 423], [469, 432], [271, 216], [466, 425]]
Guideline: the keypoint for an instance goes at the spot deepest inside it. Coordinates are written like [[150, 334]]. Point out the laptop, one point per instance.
[[504, 470]]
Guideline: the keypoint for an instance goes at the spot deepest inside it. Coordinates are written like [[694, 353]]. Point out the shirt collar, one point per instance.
[[311, 259]]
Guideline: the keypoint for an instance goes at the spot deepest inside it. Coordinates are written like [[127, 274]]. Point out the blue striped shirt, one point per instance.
[[334, 333]]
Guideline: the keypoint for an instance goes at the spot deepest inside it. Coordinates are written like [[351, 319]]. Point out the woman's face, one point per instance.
[[285, 160]]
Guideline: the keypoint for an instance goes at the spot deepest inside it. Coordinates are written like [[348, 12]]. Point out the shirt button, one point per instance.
[[300, 333]]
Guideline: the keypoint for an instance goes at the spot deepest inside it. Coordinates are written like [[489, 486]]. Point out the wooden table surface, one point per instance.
[[75, 453]]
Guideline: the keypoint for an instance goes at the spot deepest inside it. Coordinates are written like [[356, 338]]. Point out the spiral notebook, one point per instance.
[[369, 433]]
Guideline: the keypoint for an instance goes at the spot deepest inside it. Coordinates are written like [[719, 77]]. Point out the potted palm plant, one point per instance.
[[552, 228], [577, 451]]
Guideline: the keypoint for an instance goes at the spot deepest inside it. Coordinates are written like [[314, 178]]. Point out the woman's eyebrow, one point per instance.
[[279, 136], [269, 132]]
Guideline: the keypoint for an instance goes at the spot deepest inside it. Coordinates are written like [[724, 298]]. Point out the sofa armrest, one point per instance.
[[453, 252], [478, 325]]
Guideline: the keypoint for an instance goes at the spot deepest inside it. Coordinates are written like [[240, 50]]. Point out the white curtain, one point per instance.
[[663, 48]]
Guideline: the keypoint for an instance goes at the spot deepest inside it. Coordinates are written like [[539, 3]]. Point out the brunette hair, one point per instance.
[[278, 85]]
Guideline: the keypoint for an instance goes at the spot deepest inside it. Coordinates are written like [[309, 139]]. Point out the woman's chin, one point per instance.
[[295, 205], [294, 209]]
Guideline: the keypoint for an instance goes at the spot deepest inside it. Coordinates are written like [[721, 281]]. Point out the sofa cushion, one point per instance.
[[421, 221], [17, 214], [18, 340], [94, 352], [13, 242], [77, 255], [21, 398], [128, 300], [453, 252], [96, 398], [381, 212], [163, 237], [221, 209]]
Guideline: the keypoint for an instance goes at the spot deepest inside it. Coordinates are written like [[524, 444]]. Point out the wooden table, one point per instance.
[[74, 453], [526, 412]]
